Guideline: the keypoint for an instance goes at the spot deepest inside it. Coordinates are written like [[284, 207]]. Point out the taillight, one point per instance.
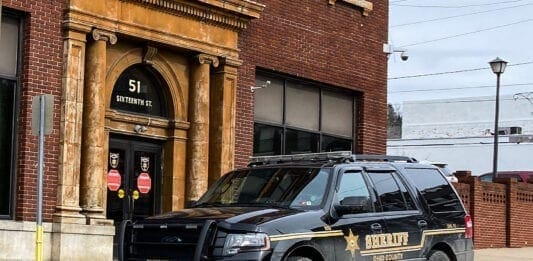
[[469, 232]]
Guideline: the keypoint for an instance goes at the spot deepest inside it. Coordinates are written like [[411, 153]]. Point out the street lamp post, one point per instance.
[[498, 67]]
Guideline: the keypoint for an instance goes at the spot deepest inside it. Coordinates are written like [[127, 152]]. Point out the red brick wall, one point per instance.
[[501, 211], [521, 228], [331, 44], [490, 217], [40, 74]]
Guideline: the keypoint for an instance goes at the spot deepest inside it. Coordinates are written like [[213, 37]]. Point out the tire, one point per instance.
[[299, 258], [123, 240], [437, 255]]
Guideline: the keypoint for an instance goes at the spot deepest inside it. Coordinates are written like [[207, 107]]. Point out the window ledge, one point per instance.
[[366, 5]]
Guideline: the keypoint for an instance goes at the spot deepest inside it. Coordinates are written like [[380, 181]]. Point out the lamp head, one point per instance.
[[404, 55], [498, 65]]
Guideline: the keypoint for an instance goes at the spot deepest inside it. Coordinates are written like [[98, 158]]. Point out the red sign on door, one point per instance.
[[113, 180], [144, 183]]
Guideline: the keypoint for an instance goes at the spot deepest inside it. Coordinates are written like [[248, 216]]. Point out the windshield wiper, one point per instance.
[[209, 204], [238, 204], [260, 204]]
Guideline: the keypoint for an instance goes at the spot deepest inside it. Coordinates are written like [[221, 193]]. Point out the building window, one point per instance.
[[9, 51], [294, 116]]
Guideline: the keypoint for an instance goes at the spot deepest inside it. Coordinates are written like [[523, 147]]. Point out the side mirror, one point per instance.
[[191, 203], [353, 205]]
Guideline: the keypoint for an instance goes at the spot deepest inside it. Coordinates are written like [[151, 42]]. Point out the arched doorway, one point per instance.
[[135, 156]]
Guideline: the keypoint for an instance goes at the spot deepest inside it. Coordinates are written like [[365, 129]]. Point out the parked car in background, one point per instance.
[[520, 175], [443, 168]]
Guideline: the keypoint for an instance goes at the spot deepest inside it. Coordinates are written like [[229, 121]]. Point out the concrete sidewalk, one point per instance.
[[503, 254]]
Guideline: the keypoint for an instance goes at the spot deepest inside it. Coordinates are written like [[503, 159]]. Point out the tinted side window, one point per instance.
[[408, 199], [353, 188], [435, 189], [391, 196]]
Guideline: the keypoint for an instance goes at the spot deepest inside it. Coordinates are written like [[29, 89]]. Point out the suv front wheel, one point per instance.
[[437, 255]]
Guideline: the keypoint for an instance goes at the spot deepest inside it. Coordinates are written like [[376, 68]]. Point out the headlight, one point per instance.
[[236, 243]]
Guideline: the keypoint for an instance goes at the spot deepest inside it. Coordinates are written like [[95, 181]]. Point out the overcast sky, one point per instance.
[[488, 29]]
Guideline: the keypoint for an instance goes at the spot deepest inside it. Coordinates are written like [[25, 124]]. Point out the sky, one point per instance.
[[476, 32]]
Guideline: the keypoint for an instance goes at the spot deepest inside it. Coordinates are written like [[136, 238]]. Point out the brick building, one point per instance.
[[179, 91], [335, 53]]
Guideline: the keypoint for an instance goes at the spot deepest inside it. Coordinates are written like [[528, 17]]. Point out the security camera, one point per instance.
[[404, 55]]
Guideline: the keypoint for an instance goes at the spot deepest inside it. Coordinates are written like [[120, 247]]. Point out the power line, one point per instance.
[[448, 101], [456, 6], [461, 88], [456, 16], [463, 34], [452, 72], [451, 101], [439, 73]]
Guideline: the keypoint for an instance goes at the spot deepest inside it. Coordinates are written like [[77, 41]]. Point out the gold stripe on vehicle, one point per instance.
[[336, 233], [425, 234], [332, 233]]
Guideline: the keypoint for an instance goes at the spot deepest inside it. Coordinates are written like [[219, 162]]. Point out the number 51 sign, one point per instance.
[[134, 86]]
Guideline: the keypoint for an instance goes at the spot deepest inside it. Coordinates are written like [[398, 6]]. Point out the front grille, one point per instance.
[[218, 243], [170, 241]]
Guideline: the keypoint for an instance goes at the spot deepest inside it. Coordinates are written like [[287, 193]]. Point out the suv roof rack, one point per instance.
[[339, 156], [387, 158], [327, 157]]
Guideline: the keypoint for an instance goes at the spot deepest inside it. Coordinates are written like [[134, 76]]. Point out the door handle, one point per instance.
[[376, 227], [422, 224]]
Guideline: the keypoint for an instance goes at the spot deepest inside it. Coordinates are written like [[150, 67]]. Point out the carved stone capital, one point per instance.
[[207, 59], [149, 53], [103, 35]]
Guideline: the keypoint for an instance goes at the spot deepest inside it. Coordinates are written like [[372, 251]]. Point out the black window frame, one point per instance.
[[20, 17], [284, 127], [409, 205], [375, 204]]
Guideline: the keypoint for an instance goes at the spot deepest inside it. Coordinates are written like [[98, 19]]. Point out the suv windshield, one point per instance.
[[290, 187]]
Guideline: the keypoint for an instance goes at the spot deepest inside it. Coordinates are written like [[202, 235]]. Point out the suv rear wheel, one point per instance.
[[299, 258], [437, 255]]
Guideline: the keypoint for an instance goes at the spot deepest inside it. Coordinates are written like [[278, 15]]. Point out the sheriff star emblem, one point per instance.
[[351, 243]]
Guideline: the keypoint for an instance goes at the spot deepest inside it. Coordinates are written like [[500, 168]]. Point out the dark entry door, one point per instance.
[[134, 158]]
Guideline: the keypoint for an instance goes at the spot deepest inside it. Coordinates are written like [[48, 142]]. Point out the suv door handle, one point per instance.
[[376, 227], [422, 224]]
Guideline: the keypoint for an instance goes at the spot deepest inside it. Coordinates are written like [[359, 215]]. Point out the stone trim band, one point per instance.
[[205, 14]]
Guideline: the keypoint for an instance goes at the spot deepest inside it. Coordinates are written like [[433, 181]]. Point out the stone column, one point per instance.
[[93, 169], [174, 175], [222, 120], [198, 144], [68, 201]]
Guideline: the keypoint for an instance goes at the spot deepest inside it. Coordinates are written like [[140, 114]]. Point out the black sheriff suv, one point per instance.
[[322, 206]]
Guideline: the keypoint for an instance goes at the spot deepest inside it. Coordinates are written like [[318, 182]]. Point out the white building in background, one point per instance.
[[459, 132]]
